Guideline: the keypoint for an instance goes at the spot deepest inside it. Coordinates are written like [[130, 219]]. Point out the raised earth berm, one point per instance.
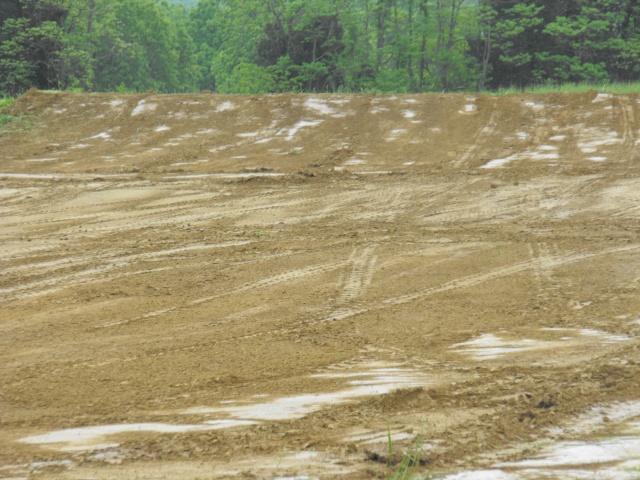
[[207, 286]]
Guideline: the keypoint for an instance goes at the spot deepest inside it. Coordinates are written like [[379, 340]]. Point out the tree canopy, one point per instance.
[[259, 46]]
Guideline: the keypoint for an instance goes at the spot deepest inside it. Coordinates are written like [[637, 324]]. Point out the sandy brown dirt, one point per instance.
[[290, 276]]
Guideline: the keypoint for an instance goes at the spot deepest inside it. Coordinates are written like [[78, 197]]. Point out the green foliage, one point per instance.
[[5, 105], [246, 78], [408, 467], [258, 46], [615, 88]]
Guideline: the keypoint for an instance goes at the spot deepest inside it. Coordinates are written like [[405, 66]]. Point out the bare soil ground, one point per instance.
[[262, 287]]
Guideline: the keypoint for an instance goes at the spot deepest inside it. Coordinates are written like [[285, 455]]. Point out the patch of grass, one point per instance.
[[5, 104], [407, 468], [616, 88], [15, 123]]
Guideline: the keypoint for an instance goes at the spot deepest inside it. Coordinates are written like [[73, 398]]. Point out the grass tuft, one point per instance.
[[407, 468], [5, 105], [615, 88]]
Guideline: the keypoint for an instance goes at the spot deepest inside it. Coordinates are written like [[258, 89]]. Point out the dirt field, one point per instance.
[[266, 287]]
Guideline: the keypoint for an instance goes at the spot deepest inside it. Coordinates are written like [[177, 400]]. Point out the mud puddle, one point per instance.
[[490, 346], [356, 383], [610, 457]]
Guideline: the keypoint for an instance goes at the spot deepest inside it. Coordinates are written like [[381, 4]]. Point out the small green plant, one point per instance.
[[407, 468], [260, 233], [5, 104]]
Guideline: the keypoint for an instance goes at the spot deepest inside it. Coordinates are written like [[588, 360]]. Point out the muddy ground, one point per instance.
[[202, 286]]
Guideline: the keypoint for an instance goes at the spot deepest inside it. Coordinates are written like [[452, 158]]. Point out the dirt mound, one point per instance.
[[266, 286]]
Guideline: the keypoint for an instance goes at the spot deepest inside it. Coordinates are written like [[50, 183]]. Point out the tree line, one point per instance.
[[263, 46]]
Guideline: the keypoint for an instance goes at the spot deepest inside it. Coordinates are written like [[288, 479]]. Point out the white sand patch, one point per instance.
[[601, 97], [547, 148], [79, 145], [206, 131], [115, 103], [362, 384], [247, 134], [408, 114], [522, 135], [500, 162], [535, 155], [162, 128], [543, 156], [616, 458], [409, 163], [607, 337], [41, 159], [142, 107], [225, 107], [263, 140], [489, 346], [484, 475], [534, 105], [558, 138], [299, 126], [597, 159], [220, 148], [238, 157], [593, 138], [319, 106], [60, 110], [103, 135], [83, 438], [394, 134], [355, 161], [468, 108]]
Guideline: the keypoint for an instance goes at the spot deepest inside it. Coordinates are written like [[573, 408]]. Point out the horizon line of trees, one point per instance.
[[266, 46]]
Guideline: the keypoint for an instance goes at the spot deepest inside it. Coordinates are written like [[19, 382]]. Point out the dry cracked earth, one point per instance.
[[262, 287]]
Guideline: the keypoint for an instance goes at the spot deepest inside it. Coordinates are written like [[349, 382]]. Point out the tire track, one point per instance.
[[460, 283], [481, 138], [362, 267], [275, 280], [99, 273], [500, 272], [628, 121], [540, 254]]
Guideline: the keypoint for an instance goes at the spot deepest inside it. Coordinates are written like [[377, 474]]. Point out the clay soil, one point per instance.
[[316, 271]]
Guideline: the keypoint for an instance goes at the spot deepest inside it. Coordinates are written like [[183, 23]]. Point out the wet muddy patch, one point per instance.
[[612, 457], [490, 346]]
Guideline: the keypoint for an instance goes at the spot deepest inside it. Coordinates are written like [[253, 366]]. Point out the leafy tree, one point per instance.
[[305, 49], [35, 49]]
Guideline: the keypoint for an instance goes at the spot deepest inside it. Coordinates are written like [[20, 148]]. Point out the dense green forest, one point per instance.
[[255, 46]]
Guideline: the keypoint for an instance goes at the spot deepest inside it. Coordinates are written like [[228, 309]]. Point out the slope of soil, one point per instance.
[[203, 286]]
